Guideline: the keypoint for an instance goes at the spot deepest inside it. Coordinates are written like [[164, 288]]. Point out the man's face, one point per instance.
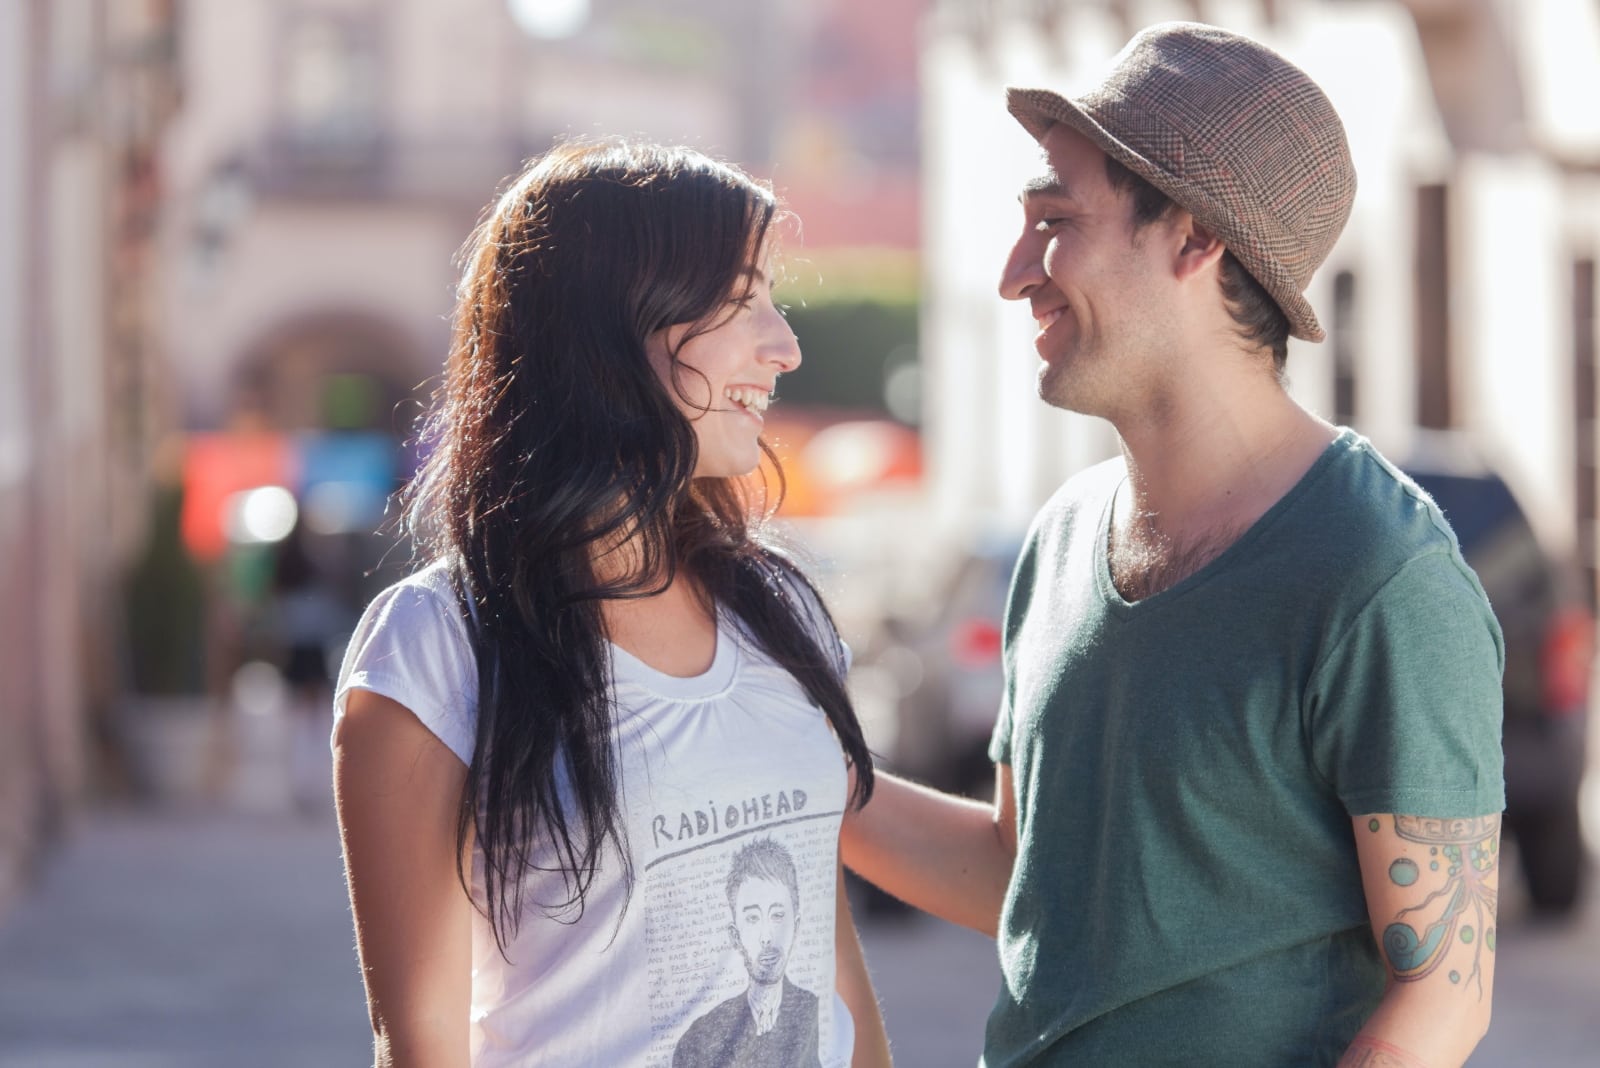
[[1094, 286], [763, 923]]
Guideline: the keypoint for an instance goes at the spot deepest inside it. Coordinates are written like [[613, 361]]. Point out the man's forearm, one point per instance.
[[1367, 1052], [1414, 1028]]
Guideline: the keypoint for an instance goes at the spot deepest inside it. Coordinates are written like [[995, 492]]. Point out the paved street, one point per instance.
[[187, 942], [208, 938]]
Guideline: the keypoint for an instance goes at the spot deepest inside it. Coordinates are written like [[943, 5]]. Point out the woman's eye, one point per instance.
[[1046, 225]]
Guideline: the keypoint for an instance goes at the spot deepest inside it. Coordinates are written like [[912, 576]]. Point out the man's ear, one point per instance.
[[1198, 249]]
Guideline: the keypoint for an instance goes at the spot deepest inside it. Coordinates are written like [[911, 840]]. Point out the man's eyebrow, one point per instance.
[[1046, 185]]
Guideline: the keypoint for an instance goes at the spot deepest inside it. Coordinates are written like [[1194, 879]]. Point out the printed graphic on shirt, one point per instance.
[[739, 933]]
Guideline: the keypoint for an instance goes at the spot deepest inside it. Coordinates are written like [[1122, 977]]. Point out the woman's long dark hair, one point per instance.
[[552, 439]]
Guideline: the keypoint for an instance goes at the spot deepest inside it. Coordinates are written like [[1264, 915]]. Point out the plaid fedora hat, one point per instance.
[[1232, 132]]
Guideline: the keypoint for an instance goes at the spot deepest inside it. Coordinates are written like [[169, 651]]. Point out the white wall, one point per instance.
[[1513, 337], [290, 260]]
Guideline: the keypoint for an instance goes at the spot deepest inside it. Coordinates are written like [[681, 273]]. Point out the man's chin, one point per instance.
[[1053, 388]]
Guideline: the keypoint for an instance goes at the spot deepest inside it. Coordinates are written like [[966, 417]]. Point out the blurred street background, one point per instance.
[[226, 240]]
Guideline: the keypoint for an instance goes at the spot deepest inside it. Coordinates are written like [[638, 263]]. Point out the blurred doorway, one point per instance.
[[333, 371]]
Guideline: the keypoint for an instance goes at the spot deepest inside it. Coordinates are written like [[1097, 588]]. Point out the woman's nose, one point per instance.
[[781, 348]]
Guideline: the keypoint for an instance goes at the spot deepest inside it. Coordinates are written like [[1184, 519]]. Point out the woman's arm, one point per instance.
[[855, 987], [949, 856], [397, 788]]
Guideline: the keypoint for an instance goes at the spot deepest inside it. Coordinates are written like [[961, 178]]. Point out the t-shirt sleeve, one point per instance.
[[1404, 712], [411, 646]]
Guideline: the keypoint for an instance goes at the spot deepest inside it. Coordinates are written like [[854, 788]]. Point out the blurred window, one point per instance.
[[1433, 308], [331, 88]]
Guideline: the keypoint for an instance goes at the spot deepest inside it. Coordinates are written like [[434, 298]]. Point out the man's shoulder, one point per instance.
[[1083, 494], [715, 1018], [1091, 485], [709, 1031], [799, 994], [1367, 508]]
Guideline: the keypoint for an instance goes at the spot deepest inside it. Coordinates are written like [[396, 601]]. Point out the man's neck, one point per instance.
[[764, 999], [1200, 474], [1216, 462]]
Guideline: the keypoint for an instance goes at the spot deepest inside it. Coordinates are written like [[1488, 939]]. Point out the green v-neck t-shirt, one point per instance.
[[1186, 768]]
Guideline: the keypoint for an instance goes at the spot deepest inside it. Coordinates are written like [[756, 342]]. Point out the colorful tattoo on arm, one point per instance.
[[1469, 852]]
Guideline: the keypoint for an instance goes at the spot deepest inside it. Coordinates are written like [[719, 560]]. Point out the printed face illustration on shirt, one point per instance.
[[763, 926], [772, 1022]]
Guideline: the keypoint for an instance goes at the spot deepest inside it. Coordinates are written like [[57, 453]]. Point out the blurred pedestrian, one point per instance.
[[1248, 765], [553, 735], [306, 620]]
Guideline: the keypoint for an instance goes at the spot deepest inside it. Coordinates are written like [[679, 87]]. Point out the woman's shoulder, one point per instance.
[[419, 619], [427, 595], [786, 578], [413, 646]]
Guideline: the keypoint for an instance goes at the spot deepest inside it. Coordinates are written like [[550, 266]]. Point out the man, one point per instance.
[[1248, 767], [773, 1022]]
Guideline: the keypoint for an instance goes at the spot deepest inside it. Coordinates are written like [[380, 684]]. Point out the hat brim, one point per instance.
[[1039, 109]]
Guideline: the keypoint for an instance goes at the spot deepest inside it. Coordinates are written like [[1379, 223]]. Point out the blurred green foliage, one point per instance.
[[165, 607], [849, 345]]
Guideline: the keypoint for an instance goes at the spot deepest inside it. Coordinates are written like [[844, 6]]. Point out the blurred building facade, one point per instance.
[[1461, 295], [331, 156], [87, 85]]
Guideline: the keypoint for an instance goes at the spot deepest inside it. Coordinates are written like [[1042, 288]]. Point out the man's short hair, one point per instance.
[[763, 858], [1259, 319]]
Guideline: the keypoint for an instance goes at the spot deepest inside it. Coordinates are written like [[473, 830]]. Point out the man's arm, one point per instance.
[[1431, 886], [946, 855]]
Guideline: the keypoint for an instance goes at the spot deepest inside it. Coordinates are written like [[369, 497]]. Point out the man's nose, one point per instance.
[[1024, 269]]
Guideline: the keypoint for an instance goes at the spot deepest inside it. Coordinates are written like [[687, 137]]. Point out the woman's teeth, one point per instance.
[[755, 400]]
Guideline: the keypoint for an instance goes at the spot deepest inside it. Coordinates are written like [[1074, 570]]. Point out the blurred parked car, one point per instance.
[[947, 663], [1549, 632]]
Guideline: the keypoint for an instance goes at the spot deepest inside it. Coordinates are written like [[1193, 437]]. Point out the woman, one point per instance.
[[604, 687]]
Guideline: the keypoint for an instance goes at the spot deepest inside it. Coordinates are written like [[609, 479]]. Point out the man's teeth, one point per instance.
[[756, 400]]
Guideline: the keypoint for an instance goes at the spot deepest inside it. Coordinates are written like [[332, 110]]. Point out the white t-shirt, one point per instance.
[[707, 766]]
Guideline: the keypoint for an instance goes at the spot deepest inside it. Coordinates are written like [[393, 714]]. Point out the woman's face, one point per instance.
[[723, 378]]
